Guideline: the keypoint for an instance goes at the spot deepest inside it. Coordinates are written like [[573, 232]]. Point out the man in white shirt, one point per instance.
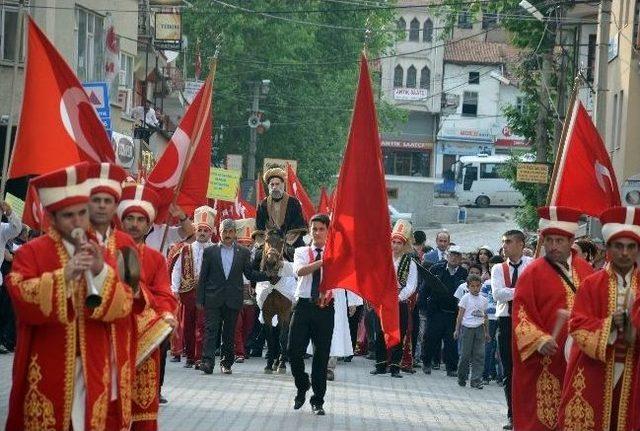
[[312, 319], [443, 240], [184, 279], [407, 276], [512, 247], [174, 235]]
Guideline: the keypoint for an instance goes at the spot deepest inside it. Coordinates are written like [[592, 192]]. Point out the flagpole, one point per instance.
[[14, 78], [561, 145], [199, 120], [563, 138]]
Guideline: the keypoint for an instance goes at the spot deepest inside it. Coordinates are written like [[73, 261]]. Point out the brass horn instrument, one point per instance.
[[93, 298]]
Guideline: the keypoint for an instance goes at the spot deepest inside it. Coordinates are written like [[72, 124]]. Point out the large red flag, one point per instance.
[[295, 188], [190, 145], [58, 124], [358, 252], [323, 204], [585, 177]]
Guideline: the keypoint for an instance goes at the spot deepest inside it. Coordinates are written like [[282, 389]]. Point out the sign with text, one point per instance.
[[16, 204], [98, 93], [168, 31], [532, 173], [410, 93], [223, 184]]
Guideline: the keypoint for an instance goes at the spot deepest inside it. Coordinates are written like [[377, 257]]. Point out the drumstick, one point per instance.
[[561, 319]]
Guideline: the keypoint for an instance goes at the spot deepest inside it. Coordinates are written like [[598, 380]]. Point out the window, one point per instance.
[[401, 25], [8, 27], [489, 170], [406, 163], [489, 20], [126, 70], [474, 77], [414, 30], [427, 31], [411, 77], [392, 193], [591, 57], [425, 78], [464, 19], [470, 104], [520, 104], [620, 120], [614, 124], [89, 45], [398, 76]]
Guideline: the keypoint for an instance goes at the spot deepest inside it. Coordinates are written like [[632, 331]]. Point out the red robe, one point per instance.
[[123, 337], [53, 331], [161, 302], [537, 379]]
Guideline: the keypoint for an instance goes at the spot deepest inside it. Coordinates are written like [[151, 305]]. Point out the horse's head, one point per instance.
[[272, 253]]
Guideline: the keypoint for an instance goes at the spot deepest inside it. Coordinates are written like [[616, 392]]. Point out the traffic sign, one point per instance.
[[98, 93]]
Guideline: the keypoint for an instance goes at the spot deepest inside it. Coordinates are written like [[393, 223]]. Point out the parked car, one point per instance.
[[396, 215]]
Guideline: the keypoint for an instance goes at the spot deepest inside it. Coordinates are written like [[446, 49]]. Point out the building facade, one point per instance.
[[477, 87]]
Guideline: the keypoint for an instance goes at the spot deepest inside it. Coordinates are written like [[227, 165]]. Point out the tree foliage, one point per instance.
[[312, 67]]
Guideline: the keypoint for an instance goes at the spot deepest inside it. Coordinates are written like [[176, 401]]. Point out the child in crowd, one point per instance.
[[475, 269], [472, 329]]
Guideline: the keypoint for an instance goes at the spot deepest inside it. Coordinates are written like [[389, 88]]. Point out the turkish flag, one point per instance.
[[295, 188], [58, 125], [357, 256], [260, 194], [189, 150], [33, 214], [324, 205], [585, 177]]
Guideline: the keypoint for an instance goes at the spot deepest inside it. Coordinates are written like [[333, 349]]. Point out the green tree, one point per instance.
[[310, 55]]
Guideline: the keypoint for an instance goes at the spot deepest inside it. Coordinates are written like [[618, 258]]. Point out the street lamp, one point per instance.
[[257, 124]]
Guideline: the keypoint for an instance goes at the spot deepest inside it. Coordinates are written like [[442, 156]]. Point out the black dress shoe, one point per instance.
[[348, 358], [426, 370], [317, 410], [396, 374], [452, 374], [436, 366], [175, 359], [189, 364], [206, 367], [508, 426], [298, 401], [162, 400], [378, 371]]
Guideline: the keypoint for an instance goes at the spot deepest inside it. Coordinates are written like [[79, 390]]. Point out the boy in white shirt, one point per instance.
[[473, 330]]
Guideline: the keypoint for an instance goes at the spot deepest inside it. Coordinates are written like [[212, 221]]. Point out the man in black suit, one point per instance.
[[442, 309], [219, 294]]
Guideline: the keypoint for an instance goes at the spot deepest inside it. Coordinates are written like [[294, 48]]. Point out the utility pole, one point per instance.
[[253, 134], [604, 22]]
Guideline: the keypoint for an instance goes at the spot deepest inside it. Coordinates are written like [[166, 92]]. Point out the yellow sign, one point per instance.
[[533, 173], [223, 184], [16, 204]]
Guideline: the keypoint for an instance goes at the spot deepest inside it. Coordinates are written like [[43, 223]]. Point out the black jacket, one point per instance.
[[214, 290], [437, 292]]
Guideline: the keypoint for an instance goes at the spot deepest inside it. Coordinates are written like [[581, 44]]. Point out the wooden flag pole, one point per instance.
[[14, 90], [200, 121], [561, 145]]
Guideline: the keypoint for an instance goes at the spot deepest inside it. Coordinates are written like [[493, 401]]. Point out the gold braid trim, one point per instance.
[[548, 392], [38, 409], [579, 415], [121, 303], [629, 361], [139, 417], [145, 386], [594, 343], [100, 406], [608, 391], [528, 336]]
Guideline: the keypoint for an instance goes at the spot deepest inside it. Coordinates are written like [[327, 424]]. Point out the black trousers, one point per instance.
[[216, 321], [354, 321], [396, 351], [504, 346], [164, 348], [311, 323], [277, 339], [440, 327], [7, 320]]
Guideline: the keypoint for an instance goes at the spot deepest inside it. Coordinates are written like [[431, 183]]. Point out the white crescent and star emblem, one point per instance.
[[70, 116], [602, 172], [180, 141]]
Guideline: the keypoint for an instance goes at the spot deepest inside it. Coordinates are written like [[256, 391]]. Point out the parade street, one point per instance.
[[251, 400]]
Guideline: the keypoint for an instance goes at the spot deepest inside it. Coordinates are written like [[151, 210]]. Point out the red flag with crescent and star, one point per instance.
[[585, 177], [58, 125], [324, 205], [190, 150], [358, 252]]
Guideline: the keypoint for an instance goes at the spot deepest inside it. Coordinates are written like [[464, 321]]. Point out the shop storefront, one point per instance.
[[407, 158]]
